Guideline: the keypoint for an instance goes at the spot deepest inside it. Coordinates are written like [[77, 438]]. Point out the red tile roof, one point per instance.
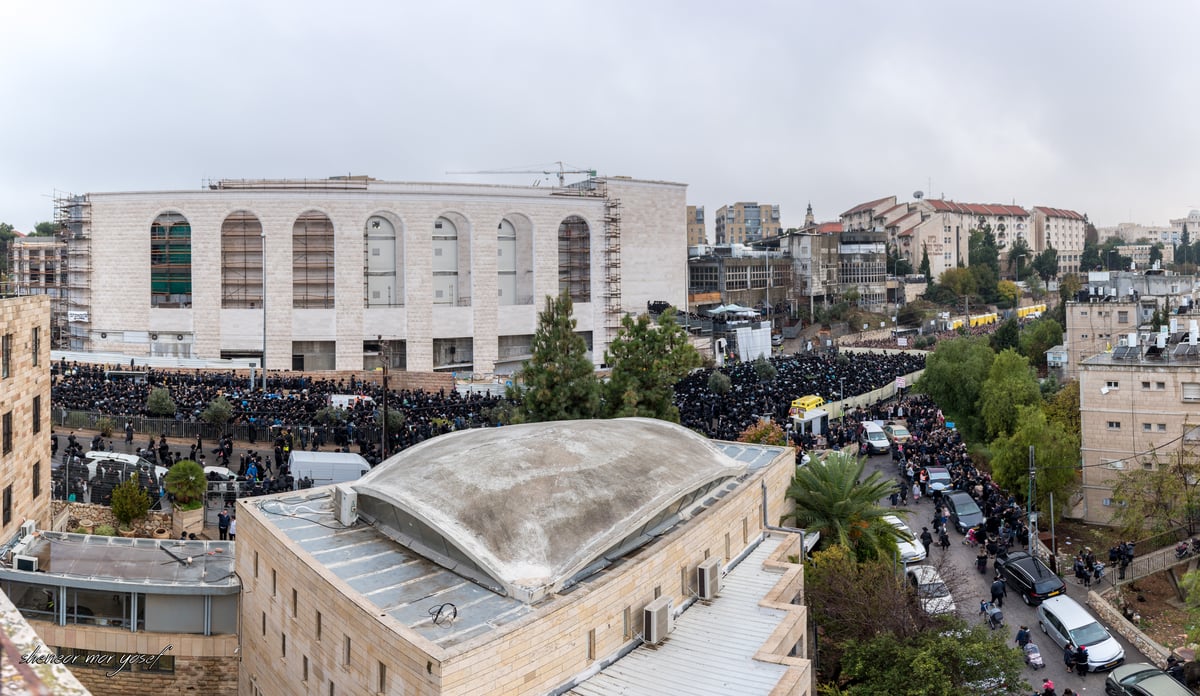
[[829, 228], [943, 206], [1058, 212], [866, 206]]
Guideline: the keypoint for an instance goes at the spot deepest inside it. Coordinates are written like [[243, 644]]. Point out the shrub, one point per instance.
[[160, 403], [218, 412], [105, 425], [129, 502], [105, 530], [764, 433], [186, 483], [719, 383]]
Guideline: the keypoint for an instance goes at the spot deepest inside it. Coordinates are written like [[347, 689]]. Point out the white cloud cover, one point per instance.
[[1081, 105]]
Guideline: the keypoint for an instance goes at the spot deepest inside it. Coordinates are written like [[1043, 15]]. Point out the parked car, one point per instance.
[[1142, 679], [964, 513], [939, 479], [1030, 578], [896, 434], [1066, 622], [911, 550], [932, 593], [777, 340]]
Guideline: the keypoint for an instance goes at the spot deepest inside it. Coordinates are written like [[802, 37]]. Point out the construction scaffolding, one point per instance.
[[575, 259], [312, 262], [241, 262], [171, 261], [73, 216], [613, 311]]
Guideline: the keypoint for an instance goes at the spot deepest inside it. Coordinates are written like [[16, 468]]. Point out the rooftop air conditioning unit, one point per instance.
[[658, 619], [345, 504], [708, 579], [28, 529], [26, 563]]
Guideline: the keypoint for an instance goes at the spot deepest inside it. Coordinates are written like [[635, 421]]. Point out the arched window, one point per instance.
[[170, 261], [445, 262], [514, 261], [241, 261], [575, 259], [312, 262], [382, 284]]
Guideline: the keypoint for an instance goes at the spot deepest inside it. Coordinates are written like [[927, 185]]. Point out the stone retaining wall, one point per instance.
[[102, 514], [1111, 615]]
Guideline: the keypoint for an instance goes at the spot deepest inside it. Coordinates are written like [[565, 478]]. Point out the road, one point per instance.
[[969, 587]]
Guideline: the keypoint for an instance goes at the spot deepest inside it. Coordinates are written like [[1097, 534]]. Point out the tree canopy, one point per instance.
[[647, 360], [833, 498], [1056, 459], [1160, 498], [1010, 382], [1039, 337], [954, 373], [558, 381]]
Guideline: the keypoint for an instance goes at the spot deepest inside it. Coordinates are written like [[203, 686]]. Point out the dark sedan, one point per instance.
[[1030, 578], [964, 513], [1142, 679]]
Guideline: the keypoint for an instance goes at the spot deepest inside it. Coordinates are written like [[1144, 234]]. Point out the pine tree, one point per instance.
[[647, 360], [559, 381], [925, 265]]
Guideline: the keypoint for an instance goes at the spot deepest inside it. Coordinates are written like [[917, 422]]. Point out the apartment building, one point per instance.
[[1137, 403], [696, 232], [748, 277], [38, 266], [743, 222], [1065, 231], [1132, 232]]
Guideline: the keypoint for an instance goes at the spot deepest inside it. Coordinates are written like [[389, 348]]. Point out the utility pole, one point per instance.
[[1029, 502], [383, 352]]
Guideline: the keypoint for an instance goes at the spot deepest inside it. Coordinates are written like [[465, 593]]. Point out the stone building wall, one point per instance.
[[25, 408]]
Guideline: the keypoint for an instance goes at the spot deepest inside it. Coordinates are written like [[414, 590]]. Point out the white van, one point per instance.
[[325, 468], [872, 439], [122, 461], [1066, 622], [910, 548]]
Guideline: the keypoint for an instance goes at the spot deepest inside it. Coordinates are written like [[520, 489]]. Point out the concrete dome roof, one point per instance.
[[524, 509]]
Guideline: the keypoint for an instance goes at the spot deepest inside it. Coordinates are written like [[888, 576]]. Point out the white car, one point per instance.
[[932, 593], [911, 550], [1065, 621]]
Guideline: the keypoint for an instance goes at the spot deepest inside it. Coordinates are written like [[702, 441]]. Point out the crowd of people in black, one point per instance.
[[749, 398], [286, 403]]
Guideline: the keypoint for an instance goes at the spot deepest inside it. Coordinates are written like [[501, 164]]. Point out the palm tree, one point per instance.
[[831, 498]]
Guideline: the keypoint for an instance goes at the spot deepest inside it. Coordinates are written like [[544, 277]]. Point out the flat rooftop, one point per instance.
[[161, 566], [404, 584], [713, 645]]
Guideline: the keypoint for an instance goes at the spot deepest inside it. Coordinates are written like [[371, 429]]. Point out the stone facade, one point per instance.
[[25, 409], [305, 631], [652, 253]]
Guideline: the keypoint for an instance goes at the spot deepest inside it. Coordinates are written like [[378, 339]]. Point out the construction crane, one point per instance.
[[561, 172]]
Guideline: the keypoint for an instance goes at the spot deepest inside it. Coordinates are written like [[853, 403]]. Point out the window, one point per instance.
[[304, 668], [8, 433], [283, 645], [1122, 317], [1161, 386], [627, 618], [36, 343], [1191, 391], [1145, 385], [591, 645], [274, 583], [1191, 435], [7, 504], [1111, 384], [383, 680], [242, 245], [1146, 427], [171, 261], [1162, 427], [1115, 464], [37, 414], [264, 623], [294, 602], [1114, 425], [6, 356], [256, 564], [346, 651], [37, 479], [318, 625]]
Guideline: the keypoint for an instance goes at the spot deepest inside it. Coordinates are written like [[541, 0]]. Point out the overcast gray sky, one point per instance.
[[1090, 106]]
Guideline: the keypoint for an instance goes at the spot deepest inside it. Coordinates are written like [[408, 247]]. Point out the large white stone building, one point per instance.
[[451, 276]]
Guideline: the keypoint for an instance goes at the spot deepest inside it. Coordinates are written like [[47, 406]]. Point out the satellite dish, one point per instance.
[[1104, 391], [918, 195]]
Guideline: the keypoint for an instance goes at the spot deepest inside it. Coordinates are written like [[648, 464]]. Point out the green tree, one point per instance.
[[186, 483], [719, 383], [1045, 264], [129, 502], [1007, 336], [1056, 459], [1089, 260], [44, 229], [833, 498], [559, 381], [924, 269], [1156, 253], [7, 234], [1010, 383], [1020, 256], [954, 373], [217, 413], [160, 403], [897, 264], [983, 253], [1063, 409], [1190, 583], [851, 296], [960, 280], [1039, 337], [962, 660], [1160, 498], [764, 370], [647, 359]]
